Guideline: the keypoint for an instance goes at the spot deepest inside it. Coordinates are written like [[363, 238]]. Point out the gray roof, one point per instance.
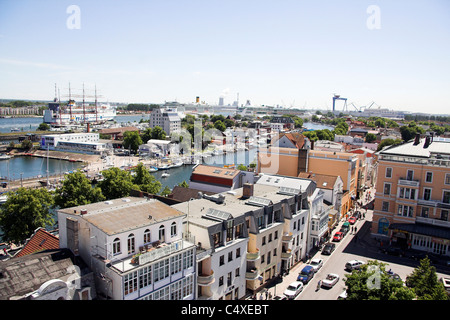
[[438, 146]]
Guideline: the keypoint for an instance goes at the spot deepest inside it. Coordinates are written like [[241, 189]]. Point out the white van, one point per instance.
[[353, 264]]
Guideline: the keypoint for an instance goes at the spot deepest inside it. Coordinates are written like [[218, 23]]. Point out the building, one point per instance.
[[166, 118], [117, 133], [412, 202], [218, 179], [134, 246], [40, 240], [155, 148], [88, 143], [53, 274], [287, 122], [243, 239]]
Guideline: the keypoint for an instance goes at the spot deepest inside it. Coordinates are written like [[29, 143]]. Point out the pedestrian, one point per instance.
[[355, 229]]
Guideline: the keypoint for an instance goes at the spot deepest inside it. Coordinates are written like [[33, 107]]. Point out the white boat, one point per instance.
[[15, 130], [165, 175], [153, 169], [177, 164], [3, 199], [5, 157]]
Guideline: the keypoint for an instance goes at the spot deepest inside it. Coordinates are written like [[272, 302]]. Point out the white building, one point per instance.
[[166, 118], [74, 142], [134, 247]]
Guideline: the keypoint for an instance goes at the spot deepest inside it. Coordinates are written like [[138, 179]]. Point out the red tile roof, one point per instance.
[[39, 241]]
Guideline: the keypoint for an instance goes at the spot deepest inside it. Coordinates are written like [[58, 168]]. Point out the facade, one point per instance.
[[74, 142], [166, 118], [243, 238], [412, 202], [134, 246]]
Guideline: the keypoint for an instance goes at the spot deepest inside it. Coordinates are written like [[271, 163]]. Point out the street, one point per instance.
[[353, 246]]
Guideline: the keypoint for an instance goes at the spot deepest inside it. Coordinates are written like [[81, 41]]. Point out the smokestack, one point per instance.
[[427, 142], [247, 190], [417, 139]]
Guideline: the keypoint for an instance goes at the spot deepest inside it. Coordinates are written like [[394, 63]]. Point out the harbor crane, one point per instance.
[[338, 97]]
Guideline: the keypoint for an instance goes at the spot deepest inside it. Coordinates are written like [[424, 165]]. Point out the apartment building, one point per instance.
[[166, 118], [134, 247], [412, 202], [243, 238]]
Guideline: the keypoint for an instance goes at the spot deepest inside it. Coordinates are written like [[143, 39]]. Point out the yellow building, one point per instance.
[[412, 202]]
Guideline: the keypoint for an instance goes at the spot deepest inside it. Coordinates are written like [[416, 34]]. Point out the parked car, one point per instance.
[[316, 264], [330, 280], [343, 295], [328, 248], [394, 251], [306, 274], [293, 289], [338, 236], [352, 220], [353, 264], [280, 297], [446, 282], [357, 215]]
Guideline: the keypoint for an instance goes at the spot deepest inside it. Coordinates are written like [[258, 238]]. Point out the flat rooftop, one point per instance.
[[124, 214]]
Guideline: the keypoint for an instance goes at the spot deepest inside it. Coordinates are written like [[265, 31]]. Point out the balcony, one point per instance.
[[287, 237], [286, 254], [206, 280], [408, 183], [252, 256], [253, 274], [434, 222]]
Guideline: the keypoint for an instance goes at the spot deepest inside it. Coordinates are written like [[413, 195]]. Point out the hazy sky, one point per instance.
[[393, 53]]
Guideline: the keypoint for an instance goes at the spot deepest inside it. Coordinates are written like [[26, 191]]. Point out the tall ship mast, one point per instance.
[[60, 114]]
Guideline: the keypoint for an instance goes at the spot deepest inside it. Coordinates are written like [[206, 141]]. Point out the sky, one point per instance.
[[395, 54]]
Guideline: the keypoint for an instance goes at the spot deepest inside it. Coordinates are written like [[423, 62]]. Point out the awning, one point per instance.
[[423, 229]]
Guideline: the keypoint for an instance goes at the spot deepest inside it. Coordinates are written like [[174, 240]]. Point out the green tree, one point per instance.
[[242, 167], [388, 142], [77, 190], [26, 144], [132, 140], [43, 127], [166, 191], [24, 211], [370, 137], [424, 281], [183, 184], [116, 183], [158, 133], [146, 135], [145, 180], [372, 282], [219, 125]]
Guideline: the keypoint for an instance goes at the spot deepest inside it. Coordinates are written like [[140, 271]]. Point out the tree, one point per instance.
[[76, 191], [146, 135], [158, 133], [242, 167], [370, 137], [145, 180], [26, 144], [116, 183], [219, 125], [43, 127], [372, 282], [132, 140], [24, 211], [183, 184], [388, 142], [166, 191], [424, 281]]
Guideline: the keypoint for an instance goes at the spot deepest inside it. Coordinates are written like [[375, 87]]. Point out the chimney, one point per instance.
[[247, 190], [72, 235], [417, 139], [83, 211], [427, 142]]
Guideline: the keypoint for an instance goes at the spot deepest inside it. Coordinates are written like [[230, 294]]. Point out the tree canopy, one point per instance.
[[132, 140], [77, 190], [116, 183], [424, 281], [145, 180], [24, 211]]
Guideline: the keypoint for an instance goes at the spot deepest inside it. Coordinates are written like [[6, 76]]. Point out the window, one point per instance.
[[161, 269], [238, 252], [221, 281], [264, 240], [173, 229], [446, 196], [276, 235], [270, 237], [387, 189], [425, 212], [388, 172], [230, 230], [162, 236], [444, 215], [385, 206], [217, 239], [229, 278], [405, 211], [188, 259], [429, 177], [131, 243], [130, 283], [409, 175], [447, 178], [176, 263], [147, 236], [145, 277], [407, 193], [221, 260], [263, 258], [230, 256], [427, 194], [116, 246], [237, 272]]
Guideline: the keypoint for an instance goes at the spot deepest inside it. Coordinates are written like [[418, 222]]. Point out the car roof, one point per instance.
[[307, 268]]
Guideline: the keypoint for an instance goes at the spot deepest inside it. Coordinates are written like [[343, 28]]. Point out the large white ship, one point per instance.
[[71, 113]]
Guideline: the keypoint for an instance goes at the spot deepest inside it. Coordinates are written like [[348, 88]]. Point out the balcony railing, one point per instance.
[[287, 237], [435, 222], [252, 256], [205, 280], [409, 183], [287, 254], [252, 274]]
